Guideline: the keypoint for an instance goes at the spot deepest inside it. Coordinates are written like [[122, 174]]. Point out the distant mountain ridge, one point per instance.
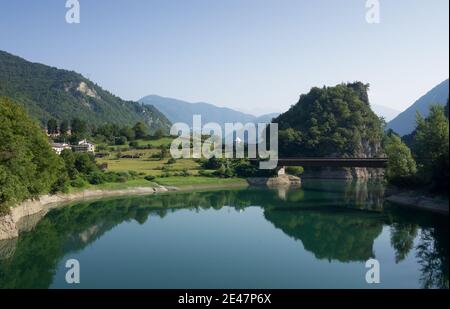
[[387, 113], [48, 92], [405, 123], [182, 111]]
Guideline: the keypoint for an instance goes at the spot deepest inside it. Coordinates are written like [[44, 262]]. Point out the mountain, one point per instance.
[[386, 112], [405, 123], [48, 92], [182, 111]]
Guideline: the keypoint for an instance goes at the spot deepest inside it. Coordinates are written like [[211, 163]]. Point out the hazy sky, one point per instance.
[[252, 55]]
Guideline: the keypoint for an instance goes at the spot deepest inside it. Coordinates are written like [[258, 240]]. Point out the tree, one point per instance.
[[401, 165], [128, 133], [158, 134], [79, 127], [430, 145], [140, 130], [28, 165], [64, 127], [52, 126]]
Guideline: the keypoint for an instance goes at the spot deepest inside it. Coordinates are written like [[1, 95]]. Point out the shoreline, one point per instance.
[[420, 202], [10, 223]]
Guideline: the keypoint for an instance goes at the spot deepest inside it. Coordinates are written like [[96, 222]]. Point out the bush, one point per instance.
[[134, 144], [185, 173], [171, 161], [121, 140], [212, 164], [97, 178], [78, 182], [204, 173], [295, 170], [133, 174], [149, 178]]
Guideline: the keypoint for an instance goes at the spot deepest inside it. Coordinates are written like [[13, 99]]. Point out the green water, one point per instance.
[[319, 236]]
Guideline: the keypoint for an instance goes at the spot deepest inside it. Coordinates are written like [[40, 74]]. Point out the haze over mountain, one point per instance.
[[182, 111], [387, 113], [405, 123], [48, 92]]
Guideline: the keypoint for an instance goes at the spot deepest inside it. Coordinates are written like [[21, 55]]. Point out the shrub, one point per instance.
[[295, 170], [97, 178], [78, 182], [149, 178], [134, 144]]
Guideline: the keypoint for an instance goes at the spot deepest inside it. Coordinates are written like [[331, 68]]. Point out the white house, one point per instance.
[[84, 146], [59, 147]]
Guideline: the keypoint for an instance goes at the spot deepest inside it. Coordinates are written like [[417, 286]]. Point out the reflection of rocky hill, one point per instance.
[[332, 221], [331, 235]]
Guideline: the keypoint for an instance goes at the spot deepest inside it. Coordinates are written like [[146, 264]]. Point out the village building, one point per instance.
[[84, 146], [59, 147]]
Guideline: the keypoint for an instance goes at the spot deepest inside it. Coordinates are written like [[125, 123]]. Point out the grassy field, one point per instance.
[[117, 186], [147, 165]]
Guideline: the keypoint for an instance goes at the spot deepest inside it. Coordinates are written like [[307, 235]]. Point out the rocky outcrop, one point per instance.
[[343, 173], [411, 199], [281, 180]]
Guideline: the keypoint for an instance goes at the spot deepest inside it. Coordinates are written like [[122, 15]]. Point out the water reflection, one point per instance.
[[335, 221]]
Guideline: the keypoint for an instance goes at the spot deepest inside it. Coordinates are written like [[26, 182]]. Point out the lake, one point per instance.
[[319, 236]]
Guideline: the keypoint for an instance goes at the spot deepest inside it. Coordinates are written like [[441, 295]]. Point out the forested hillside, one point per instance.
[[48, 92], [331, 121]]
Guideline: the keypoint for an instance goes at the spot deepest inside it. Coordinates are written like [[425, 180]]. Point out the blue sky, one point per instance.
[[252, 55]]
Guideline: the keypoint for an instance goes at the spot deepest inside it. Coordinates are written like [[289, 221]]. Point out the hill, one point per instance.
[[405, 123], [47, 92], [182, 111], [332, 122]]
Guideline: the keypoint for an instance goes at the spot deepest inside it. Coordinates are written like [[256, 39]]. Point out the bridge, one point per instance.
[[334, 162]]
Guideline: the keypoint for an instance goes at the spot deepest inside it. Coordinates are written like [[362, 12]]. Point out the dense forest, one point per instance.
[[331, 121], [29, 167], [48, 92]]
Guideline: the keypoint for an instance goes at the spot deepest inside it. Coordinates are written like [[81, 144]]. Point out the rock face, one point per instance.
[[8, 228], [279, 181], [344, 173]]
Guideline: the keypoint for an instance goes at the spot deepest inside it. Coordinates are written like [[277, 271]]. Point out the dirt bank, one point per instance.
[[11, 225]]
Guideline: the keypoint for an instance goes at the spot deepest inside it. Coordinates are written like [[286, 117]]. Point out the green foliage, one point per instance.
[[52, 126], [121, 140], [431, 148], [295, 170], [171, 161], [401, 166], [28, 166], [329, 121], [212, 163], [140, 130], [47, 93], [64, 127], [79, 127], [149, 178], [158, 134]]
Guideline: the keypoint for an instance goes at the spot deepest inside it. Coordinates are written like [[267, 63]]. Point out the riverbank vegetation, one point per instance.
[[424, 165]]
